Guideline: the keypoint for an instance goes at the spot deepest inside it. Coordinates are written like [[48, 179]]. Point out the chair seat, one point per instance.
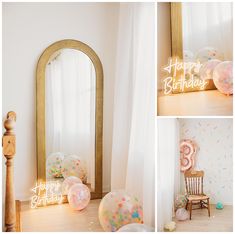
[[197, 197]]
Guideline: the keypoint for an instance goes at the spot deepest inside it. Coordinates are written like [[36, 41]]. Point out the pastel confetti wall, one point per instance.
[[214, 138]]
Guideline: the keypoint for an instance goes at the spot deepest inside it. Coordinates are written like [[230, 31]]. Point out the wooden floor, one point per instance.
[[60, 218], [220, 221], [203, 103]]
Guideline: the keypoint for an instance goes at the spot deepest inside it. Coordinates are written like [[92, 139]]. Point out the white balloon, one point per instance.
[[136, 227]]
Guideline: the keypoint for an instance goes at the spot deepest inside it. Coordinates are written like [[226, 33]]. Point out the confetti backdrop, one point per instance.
[[214, 138]]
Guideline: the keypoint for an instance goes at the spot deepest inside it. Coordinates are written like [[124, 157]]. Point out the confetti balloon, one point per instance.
[[119, 208], [68, 182], [208, 53], [54, 165], [182, 214], [136, 227], [180, 201], [79, 196], [223, 77], [206, 71], [73, 165], [188, 56]]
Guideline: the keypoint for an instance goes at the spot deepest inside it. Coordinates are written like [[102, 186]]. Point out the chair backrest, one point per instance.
[[194, 182]]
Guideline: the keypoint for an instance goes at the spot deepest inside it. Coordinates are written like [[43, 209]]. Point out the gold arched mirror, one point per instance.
[[70, 115]]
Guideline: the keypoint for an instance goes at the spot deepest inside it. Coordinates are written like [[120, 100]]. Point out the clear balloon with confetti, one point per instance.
[[223, 77], [206, 70], [119, 208], [73, 165], [69, 182], [79, 196], [208, 53], [54, 165], [180, 201]]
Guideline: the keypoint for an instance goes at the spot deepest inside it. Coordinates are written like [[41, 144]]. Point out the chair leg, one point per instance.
[[208, 207], [190, 208], [186, 205]]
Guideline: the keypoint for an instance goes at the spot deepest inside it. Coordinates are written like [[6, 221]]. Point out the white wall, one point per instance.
[[163, 39], [214, 138], [28, 28]]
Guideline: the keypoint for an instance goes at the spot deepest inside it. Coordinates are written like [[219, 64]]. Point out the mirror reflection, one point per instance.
[[70, 117], [207, 31]]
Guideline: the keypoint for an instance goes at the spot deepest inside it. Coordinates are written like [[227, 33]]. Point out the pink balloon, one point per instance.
[[223, 77], [182, 214], [79, 196]]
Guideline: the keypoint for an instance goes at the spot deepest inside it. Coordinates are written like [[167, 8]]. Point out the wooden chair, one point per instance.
[[194, 189]]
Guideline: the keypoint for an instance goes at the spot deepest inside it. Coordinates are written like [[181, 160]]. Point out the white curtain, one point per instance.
[[134, 105], [208, 24], [70, 106], [168, 170]]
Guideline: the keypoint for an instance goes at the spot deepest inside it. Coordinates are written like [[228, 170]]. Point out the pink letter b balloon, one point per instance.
[[119, 208]]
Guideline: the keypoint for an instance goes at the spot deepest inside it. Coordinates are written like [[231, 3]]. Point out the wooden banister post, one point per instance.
[[8, 143]]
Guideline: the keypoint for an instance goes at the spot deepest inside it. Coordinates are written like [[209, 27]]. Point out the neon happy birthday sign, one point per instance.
[[182, 75], [46, 193]]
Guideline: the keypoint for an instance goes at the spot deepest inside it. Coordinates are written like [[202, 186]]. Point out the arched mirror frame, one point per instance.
[[40, 109]]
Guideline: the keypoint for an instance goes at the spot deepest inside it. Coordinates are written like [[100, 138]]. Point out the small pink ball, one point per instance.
[[223, 77], [69, 182], [79, 196]]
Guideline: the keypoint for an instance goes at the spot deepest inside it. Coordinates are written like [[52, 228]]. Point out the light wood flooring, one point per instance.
[[220, 221], [60, 218], [210, 102]]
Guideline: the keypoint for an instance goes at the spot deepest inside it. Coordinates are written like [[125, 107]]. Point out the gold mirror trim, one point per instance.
[[177, 41], [40, 109]]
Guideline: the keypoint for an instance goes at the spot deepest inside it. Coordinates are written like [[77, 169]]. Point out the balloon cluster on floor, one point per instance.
[[121, 211], [213, 68], [72, 168]]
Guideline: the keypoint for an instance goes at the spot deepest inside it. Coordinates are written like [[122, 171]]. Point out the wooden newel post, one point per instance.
[[8, 143]]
